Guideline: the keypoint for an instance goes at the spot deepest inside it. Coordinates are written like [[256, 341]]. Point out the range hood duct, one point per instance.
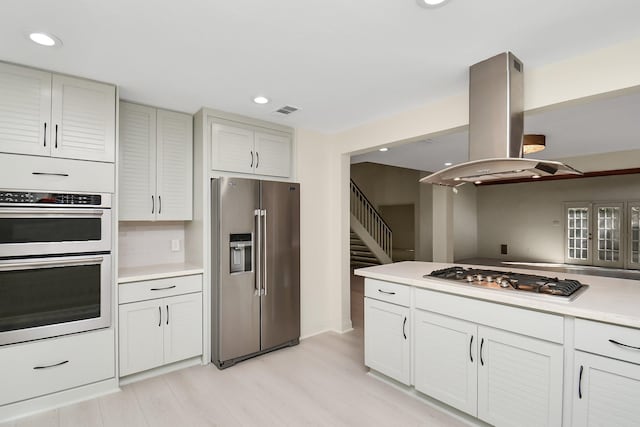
[[496, 126]]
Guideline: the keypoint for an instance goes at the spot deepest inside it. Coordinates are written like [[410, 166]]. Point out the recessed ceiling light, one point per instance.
[[383, 149], [535, 176], [45, 39], [478, 182], [261, 100], [430, 3], [456, 179], [448, 164]]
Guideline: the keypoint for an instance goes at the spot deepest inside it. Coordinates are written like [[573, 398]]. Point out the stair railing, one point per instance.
[[370, 219]]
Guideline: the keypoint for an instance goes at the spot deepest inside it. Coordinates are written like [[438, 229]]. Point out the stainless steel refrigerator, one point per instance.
[[256, 268]]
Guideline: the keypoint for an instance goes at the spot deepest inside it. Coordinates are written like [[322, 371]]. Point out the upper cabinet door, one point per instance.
[[232, 149], [174, 166], [273, 154], [83, 119], [25, 110], [137, 167]]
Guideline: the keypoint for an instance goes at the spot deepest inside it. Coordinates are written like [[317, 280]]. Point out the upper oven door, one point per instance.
[[27, 230]]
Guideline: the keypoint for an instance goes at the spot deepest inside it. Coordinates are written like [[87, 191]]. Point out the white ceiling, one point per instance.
[[601, 125], [342, 62]]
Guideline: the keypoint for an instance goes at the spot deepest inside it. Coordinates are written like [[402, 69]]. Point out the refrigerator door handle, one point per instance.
[[258, 252], [264, 257]]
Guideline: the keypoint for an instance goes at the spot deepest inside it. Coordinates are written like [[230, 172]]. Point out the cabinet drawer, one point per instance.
[[595, 337], [387, 291], [545, 326], [74, 360], [20, 172], [159, 288]]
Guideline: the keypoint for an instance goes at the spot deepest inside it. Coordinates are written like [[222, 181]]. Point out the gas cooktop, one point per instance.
[[561, 289]]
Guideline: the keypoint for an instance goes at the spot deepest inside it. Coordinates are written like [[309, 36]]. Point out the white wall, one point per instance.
[[529, 217], [611, 69]]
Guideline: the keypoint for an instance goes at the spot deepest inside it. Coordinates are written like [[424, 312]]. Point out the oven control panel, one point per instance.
[[19, 197]]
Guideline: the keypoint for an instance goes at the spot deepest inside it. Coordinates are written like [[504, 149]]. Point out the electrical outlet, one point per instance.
[[175, 245], [504, 249]]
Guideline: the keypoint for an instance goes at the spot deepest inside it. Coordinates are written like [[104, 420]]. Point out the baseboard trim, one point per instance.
[[161, 370], [33, 406]]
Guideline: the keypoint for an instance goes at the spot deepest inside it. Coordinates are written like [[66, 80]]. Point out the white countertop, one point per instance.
[[607, 299], [150, 272]]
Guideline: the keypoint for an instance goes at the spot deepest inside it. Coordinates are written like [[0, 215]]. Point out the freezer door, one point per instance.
[[281, 251], [236, 303]]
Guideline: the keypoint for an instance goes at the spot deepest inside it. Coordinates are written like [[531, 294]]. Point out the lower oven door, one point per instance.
[[46, 297]]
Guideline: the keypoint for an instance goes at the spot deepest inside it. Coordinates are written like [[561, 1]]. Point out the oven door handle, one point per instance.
[[67, 212], [33, 264]]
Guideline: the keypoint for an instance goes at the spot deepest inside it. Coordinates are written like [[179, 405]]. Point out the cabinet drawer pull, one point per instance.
[[45, 134], [470, 345], [49, 173], [481, 345], [51, 366], [624, 345], [386, 292], [404, 324], [580, 383], [163, 289]]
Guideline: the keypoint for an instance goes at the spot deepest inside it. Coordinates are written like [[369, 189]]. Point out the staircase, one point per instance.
[[370, 237]]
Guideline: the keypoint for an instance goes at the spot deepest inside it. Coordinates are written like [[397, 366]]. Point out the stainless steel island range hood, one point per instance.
[[496, 122]]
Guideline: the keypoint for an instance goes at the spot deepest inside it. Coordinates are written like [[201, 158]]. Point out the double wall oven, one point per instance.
[[55, 264]]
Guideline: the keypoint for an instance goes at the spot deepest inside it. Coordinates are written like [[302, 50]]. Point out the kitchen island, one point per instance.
[[503, 356]]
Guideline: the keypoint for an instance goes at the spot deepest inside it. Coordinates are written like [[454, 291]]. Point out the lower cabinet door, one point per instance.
[[606, 392], [141, 336], [519, 379], [445, 359], [183, 327], [386, 339]]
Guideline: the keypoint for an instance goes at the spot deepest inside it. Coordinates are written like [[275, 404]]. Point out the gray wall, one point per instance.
[[465, 222], [529, 217]]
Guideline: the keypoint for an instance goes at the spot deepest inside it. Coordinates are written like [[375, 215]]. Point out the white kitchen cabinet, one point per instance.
[[246, 149], [160, 331], [156, 164], [56, 116], [445, 359], [387, 343], [519, 379], [160, 322], [606, 393]]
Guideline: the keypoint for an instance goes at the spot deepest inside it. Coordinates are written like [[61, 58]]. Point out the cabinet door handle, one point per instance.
[[386, 292], [257, 159], [624, 345], [51, 366], [56, 143], [162, 289], [404, 324], [153, 204], [251, 152], [45, 134], [167, 314], [580, 383], [49, 173], [481, 345], [159, 204], [470, 345], [159, 316]]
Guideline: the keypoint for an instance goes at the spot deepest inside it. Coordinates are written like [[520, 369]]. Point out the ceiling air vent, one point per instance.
[[286, 110]]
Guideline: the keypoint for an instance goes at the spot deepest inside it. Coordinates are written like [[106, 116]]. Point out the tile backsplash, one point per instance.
[[149, 243]]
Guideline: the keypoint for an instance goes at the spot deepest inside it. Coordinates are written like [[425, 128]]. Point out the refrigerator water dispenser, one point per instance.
[[240, 257]]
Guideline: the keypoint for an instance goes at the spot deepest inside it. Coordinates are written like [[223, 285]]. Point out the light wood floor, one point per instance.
[[320, 382]]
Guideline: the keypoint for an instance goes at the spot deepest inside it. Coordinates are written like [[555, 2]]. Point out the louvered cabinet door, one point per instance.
[[606, 392], [83, 119], [174, 166], [519, 379], [137, 167], [25, 110], [446, 359], [273, 154], [232, 149]]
